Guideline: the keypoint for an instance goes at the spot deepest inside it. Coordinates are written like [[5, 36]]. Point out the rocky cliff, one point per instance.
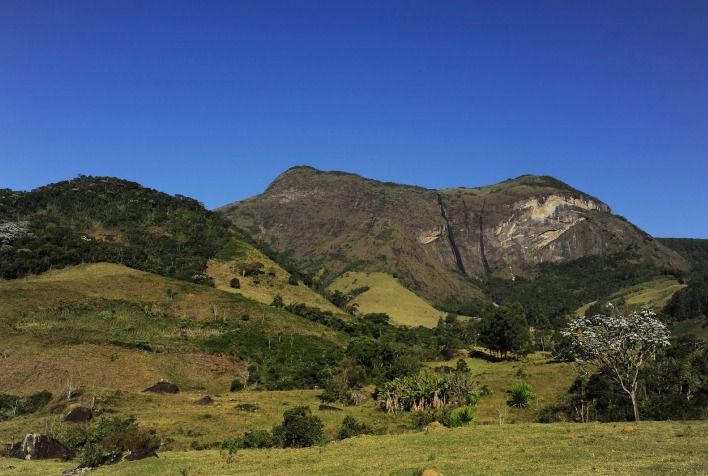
[[435, 241]]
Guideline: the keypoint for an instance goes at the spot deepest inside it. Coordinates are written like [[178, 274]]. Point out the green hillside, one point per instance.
[[103, 219], [88, 323], [388, 296]]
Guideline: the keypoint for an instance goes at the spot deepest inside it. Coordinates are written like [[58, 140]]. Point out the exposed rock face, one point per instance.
[[432, 239], [36, 446]]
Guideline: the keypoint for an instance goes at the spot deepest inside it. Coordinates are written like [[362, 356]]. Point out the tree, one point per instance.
[[504, 329], [622, 345]]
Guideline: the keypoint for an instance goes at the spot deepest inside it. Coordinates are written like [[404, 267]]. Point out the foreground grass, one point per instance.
[[659, 448], [388, 296]]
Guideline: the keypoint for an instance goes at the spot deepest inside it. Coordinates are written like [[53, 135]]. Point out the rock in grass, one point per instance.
[[79, 415], [163, 386], [207, 400], [36, 446]]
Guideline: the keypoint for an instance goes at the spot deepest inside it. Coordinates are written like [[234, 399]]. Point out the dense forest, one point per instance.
[[94, 219]]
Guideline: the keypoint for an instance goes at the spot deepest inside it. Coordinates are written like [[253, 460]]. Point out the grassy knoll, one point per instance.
[[661, 448], [108, 327], [262, 288], [653, 294], [387, 295]]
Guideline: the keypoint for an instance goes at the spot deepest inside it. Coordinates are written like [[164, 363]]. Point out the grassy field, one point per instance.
[[388, 296], [657, 448], [180, 420]]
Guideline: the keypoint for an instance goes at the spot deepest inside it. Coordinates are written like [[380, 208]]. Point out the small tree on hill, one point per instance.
[[622, 345]]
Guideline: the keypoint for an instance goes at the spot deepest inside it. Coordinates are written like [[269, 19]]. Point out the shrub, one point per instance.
[[278, 301], [350, 427], [461, 416], [299, 429], [114, 436], [521, 395], [236, 385], [553, 413], [235, 283], [292, 280]]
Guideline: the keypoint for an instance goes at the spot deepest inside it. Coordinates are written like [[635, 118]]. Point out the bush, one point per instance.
[[350, 427], [521, 395], [235, 283], [236, 385], [299, 429], [114, 436], [553, 413], [292, 280], [461, 416]]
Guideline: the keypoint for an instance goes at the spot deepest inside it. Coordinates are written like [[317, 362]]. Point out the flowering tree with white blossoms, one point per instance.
[[620, 344]]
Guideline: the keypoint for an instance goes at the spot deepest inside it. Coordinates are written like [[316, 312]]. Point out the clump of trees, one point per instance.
[[299, 429], [101, 219], [504, 330]]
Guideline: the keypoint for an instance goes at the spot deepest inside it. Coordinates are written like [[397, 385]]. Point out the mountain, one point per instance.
[[439, 243]]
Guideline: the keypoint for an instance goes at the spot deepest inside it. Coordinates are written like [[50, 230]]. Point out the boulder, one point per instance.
[[36, 446], [163, 386], [207, 400], [79, 415]]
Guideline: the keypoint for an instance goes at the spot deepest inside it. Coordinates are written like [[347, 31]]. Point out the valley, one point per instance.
[[310, 302]]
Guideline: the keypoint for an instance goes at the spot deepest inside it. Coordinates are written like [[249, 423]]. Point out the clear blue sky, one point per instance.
[[214, 99]]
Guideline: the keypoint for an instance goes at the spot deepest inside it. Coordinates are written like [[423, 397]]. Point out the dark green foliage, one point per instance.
[[448, 416], [520, 395], [553, 413], [12, 405], [236, 385], [292, 280], [694, 250], [690, 302], [93, 219], [473, 308], [674, 386], [299, 429], [504, 329], [235, 283], [572, 283], [350, 427], [277, 301], [255, 439], [282, 362], [462, 366], [114, 436]]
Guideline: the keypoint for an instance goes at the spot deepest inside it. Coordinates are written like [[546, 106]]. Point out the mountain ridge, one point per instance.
[[438, 242]]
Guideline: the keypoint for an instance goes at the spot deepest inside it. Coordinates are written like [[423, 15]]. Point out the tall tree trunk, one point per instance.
[[635, 406]]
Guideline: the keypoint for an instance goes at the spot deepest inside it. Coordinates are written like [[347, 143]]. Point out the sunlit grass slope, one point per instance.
[[262, 288], [653, 294], [388, 296], [105, 326]]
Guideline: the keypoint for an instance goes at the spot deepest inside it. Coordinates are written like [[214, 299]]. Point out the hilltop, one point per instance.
[[443, 244]]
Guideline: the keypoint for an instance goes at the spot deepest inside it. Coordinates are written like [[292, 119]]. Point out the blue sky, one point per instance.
[[214, 99]]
